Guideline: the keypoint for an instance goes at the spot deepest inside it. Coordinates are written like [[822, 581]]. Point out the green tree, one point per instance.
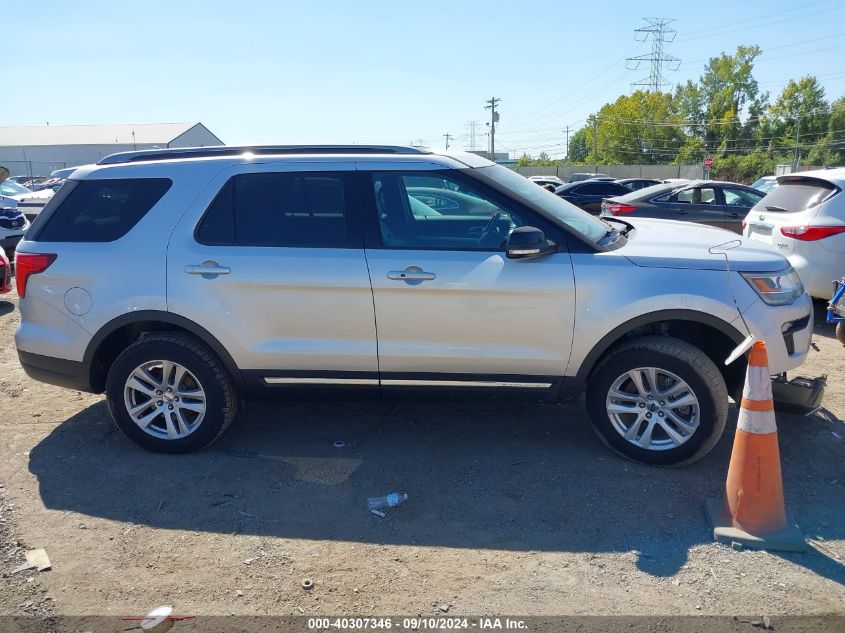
[[690, 106], [801, 108], [640, 128], [728, 88], [578, 150], [836, 133]]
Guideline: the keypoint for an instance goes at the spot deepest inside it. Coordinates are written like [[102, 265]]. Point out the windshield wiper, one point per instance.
[[772, 207]]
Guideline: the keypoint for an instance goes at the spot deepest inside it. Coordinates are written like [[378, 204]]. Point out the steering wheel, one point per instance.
[[495, 232]]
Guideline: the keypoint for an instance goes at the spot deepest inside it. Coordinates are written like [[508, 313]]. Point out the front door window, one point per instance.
[[434, 212]]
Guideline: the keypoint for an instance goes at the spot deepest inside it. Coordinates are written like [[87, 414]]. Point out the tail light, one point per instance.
[[617, 208], [811, 233], [27, 264]]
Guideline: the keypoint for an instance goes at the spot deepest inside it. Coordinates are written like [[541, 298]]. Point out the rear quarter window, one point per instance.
[[99, 210]]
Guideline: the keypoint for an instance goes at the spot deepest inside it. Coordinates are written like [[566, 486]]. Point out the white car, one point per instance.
[[28, 202], [803, 218], [546, 180], [13, 224]]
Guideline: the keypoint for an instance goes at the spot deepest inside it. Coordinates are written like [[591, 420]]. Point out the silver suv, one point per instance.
[[176, 280]]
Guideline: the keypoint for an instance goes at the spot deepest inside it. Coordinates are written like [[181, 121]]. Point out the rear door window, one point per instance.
[[295, 209], [694, 195], [100, 210]]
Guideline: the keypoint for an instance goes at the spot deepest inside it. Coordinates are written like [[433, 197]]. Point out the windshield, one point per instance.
[[764, 184], [10, 188], [526, 190]]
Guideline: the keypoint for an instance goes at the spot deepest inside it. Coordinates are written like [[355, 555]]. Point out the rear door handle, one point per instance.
[[208, 269]]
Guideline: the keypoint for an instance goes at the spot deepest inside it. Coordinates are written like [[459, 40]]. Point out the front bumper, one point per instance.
[[786, 330]]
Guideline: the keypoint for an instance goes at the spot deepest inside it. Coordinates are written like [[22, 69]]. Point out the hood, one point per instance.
[[672, 244], [43, 194]]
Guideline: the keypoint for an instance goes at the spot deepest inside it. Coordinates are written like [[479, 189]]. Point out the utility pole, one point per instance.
[[566, 155], [594, 120], [448, 138], [494, 118], [796, 156], [660, 33]]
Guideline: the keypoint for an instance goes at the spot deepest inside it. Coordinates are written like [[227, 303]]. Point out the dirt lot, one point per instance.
[[514, 509]]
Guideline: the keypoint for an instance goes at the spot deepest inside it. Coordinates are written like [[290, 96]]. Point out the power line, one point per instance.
[[661, 34], [760, 23]]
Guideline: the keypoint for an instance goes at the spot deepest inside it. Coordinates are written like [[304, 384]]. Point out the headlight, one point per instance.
[[776, 289]]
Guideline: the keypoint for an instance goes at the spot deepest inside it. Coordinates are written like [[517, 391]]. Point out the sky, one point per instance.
[[381, 71]]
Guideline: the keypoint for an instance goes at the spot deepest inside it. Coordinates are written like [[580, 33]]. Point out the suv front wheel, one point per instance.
[[169, 393], [658, 400]]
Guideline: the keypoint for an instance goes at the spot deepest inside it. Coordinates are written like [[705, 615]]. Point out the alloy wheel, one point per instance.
[[653, 408], [165, 399]]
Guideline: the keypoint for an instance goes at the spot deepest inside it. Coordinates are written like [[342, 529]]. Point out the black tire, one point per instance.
[[221, 401], [688, 363]]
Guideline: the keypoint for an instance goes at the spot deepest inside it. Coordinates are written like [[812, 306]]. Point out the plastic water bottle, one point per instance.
[[388, 501]]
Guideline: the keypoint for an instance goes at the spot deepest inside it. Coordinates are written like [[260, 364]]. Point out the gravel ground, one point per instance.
[[515, 508]]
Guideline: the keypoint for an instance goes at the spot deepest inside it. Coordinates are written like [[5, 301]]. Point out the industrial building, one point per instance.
[[36, 150]]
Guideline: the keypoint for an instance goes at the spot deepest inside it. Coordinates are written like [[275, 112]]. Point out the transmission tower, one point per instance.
[[661, 34], [472, 127]]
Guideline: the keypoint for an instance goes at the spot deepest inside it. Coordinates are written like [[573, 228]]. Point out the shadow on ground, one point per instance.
[[498, 475], [820, 325]]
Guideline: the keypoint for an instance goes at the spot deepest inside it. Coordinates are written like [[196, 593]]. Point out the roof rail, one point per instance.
[[258, 150]]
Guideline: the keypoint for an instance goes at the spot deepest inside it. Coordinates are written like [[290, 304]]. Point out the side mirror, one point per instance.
[[528, 241]]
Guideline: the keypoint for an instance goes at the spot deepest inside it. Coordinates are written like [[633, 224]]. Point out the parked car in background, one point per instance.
[[124, 277], [28, 202], [635, 184], [716, 203], [578, 177], [803, 218], [448, 202], [588, 194], [28, 181], [546, 180], [765, 184], [5, 272], [13, 224]]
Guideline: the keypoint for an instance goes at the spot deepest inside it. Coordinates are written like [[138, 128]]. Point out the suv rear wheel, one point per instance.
[[168, 393], [658, 400]]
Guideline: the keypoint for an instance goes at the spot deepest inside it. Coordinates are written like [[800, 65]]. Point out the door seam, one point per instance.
[[375, 314]]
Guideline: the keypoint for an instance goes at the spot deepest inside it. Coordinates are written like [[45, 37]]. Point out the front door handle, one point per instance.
[[208, 269], [412, 275]]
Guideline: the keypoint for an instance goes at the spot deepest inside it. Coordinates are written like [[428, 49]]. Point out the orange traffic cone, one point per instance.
[[752, 512]]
